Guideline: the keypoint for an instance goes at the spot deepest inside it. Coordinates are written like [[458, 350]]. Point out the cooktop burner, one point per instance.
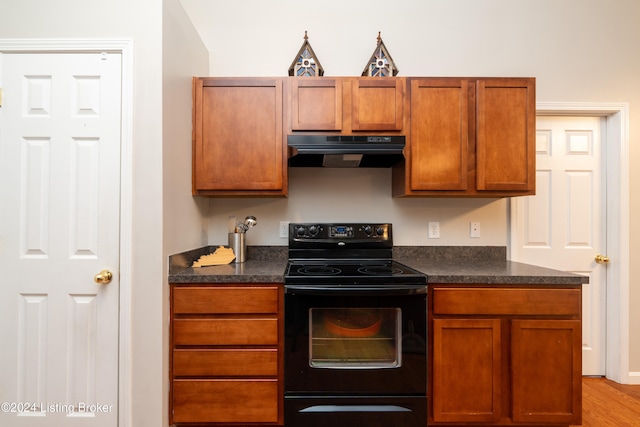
[[378, 270], [317, 270]]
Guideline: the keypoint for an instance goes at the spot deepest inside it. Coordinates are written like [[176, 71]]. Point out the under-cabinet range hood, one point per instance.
[[345, 151]]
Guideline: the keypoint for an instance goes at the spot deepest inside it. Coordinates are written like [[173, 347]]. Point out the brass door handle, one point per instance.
[[103, 277], [602, 259]]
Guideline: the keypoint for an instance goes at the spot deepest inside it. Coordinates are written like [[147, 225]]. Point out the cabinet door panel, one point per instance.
[[225, 331], [547, 371], [377, 104], [225, 300], [506, 134], [316, 104], [238, 138], [532, 302], [225, 401], [466, 370], [225, 362], [439, 134]]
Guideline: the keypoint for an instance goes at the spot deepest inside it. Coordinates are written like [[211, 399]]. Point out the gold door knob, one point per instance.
[[103, 277], [602, 259]]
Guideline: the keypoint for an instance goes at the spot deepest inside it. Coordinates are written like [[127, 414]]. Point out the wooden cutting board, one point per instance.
[[221, 256]]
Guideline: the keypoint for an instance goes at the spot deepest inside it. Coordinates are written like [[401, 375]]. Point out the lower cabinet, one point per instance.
[[505, 355], [226, 356]]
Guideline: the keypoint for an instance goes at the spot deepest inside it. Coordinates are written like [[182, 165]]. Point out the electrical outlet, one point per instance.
[[474, 230], [284, 229], [434, 230]]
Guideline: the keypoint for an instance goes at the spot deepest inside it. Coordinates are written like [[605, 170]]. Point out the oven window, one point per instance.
[[364, 338]]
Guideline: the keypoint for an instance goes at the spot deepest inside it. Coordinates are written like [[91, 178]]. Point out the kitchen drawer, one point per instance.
[[225, 362], [225, 300], [225, 401], [227, 331], [498, 301]]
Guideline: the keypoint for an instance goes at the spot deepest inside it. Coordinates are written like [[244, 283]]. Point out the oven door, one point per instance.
[[355, 342]]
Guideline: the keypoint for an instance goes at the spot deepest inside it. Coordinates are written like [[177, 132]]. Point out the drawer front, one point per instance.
[[495, 301], [225, 300], [261, 331], [225, 401], [225, 363]]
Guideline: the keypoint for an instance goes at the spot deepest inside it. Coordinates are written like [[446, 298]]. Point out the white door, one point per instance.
[[564, 225], [59, 226]]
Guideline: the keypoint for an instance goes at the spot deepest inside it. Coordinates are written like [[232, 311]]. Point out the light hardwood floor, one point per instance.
[[606, 403]]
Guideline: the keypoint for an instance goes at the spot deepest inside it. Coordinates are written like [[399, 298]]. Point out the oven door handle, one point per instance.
[[408, 289], [354, 408]]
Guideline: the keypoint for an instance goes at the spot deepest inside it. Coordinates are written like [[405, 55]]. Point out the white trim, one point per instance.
[[617, 137], [125, 48], [65, 45]]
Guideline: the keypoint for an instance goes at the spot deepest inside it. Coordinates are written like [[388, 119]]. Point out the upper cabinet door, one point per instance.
[[439, 145], [316, 104], [238, 146], [506, 114], [377, 104]]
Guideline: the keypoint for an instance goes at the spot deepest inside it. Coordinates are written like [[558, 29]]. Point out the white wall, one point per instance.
[[184, 217], [184, 56], [578, 50], [318, 194]]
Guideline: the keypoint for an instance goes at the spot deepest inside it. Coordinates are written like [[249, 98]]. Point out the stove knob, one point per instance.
[[379, 231], [300, 231], [367, 230], [313, 230]]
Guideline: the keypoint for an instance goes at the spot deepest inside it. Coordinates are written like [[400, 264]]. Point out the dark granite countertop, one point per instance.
[[479, 265], [265, 264], [443, 265]]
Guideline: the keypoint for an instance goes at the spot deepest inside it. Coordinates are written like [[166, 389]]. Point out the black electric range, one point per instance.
[[355, 330]]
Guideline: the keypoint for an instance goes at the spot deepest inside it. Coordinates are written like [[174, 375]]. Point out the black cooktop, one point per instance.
[[345, 254], [350, 272]]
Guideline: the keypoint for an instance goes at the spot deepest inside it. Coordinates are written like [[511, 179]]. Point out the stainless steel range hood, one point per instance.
[[345, 151]]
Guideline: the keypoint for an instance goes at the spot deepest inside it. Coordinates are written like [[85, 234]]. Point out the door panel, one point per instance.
[[238, 144], [316, 104], [377, 104], [505, 154], [467, 364], [545, 364], [439, 134], [563, 226], [59, 226]]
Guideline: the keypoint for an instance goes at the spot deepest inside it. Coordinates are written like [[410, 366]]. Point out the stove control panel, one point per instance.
[[339, 231]]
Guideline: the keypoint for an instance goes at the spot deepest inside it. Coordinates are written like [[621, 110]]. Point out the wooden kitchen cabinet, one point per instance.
[[505, 356], [466, 370], [439, 143], [347, 104], [469, 137], [239, 147], [377, 103], [226, 355], [505, 135], [316, 103]]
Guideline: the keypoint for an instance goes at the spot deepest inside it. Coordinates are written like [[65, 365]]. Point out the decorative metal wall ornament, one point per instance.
[[380, 64], [306, 62]]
